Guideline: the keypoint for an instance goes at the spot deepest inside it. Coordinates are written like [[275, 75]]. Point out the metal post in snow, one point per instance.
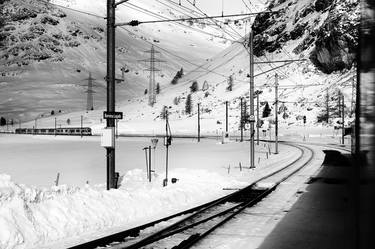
[[147, 172], [251, 95], [342, 118], [258, 117], [110, 151], [241, 120], [226, 118], [165, 183], [117, 128], [276, 114], [199, 122], [149, 164]]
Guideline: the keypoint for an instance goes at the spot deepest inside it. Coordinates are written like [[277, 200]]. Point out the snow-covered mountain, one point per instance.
[[322, 32], [47, 51]]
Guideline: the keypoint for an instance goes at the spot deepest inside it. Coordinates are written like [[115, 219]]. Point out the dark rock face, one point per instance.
[[322, 4], [306, 43], [298, 31], [336, 44], [49, 20], [332, 43], [309, 9], [26, 34], [262, 22], [23, 14]]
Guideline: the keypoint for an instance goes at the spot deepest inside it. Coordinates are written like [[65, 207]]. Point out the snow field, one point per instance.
[[57, 217]]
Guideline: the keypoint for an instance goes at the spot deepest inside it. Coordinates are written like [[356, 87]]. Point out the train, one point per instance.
[[70, 131]]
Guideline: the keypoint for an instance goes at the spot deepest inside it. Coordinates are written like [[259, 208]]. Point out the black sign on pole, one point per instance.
[[112, 115]]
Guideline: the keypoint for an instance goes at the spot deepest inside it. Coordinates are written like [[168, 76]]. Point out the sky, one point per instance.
[[214, 7]]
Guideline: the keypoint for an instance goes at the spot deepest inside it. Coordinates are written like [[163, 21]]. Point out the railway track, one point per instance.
[[185, 229]]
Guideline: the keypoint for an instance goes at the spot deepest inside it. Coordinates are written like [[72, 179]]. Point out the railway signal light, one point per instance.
[[304, 119]]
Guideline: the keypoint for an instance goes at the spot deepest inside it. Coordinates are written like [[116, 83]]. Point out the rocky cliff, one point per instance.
[[326, 31]]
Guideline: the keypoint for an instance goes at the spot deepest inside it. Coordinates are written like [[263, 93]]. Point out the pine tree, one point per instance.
[[188, 104], [266, 110], [3, 121], [157, 90], [194, 86], [178, 76], [230, 83], [176, 100]]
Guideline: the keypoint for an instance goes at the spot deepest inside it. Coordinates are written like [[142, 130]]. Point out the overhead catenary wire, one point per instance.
[[130, 32], [163, 18], [216, 21], [173, 54], [196, 14], [136, 22]]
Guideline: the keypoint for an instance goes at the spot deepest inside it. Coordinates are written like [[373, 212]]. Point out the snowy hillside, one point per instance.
[[48, 51], [302, 85]]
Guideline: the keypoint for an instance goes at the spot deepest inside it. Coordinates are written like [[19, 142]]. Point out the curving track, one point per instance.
[[185, 229]]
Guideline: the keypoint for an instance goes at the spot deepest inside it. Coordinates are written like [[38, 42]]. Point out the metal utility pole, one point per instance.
[[149, 165], [199, 122], [226, 118], [276, 114], [90, 98], [111, 88], [327, 104], [117, 128], [167, 142], [258, 123], [241, 120], [342, 118], [251, 95], [352, 102]]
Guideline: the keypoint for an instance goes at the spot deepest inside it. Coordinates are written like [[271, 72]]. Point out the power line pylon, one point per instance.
[[152, 69], [90, 92]]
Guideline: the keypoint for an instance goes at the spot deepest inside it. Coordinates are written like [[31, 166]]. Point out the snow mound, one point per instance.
[[32, 217]]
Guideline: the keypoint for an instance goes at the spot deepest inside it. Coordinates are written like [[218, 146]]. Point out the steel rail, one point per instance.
[[194, 239], [172, 229]]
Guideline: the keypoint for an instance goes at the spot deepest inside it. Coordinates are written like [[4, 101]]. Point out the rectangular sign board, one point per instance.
[[112, 115], [108, 137]]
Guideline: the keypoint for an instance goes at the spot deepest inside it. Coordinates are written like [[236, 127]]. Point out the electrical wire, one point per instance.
[[164, 19], [215, 21]]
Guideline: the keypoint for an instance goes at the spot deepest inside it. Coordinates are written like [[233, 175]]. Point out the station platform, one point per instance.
[[335, 211]]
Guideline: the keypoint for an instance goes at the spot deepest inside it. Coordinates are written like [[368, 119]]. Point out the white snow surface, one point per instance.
[[30, 216], [65, 215]]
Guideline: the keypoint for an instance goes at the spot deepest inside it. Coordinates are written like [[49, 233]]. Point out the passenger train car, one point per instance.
[[71, 131]]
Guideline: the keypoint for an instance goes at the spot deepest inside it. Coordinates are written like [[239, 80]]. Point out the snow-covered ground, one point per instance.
[[41, 215]]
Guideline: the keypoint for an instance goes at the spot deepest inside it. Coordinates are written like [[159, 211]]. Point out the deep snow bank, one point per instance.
[[32, 217]]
